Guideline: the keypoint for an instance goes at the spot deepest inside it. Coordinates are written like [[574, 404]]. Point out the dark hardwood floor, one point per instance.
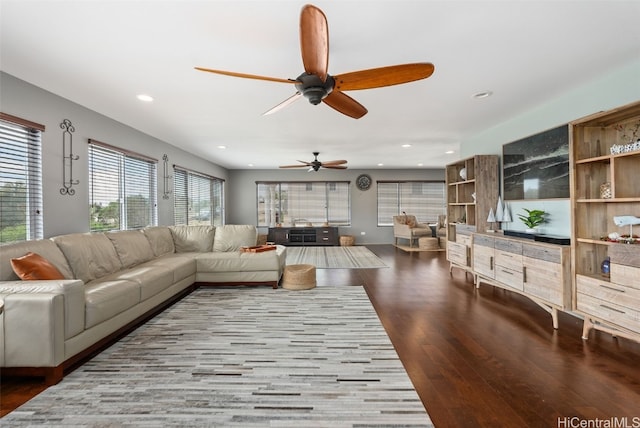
[[480, 357]]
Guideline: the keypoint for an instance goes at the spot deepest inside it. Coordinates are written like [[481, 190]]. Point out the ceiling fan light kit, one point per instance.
[[318, 86]]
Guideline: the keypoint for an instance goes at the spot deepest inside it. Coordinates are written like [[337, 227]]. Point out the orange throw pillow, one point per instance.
[[33, 266]]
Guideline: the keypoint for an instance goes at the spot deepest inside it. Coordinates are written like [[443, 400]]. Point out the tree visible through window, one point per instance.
[[122, 189], [20, 179]]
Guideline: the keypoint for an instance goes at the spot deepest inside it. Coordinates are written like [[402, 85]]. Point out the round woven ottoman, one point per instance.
[[299, 277], [428, 243]]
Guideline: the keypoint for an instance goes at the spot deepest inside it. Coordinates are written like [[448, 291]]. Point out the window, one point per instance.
[[316, 202], [20, 179], [198, 198], [122, 189], [424, 199]]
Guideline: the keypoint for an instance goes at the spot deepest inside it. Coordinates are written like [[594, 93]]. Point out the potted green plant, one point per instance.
[[533, 219]]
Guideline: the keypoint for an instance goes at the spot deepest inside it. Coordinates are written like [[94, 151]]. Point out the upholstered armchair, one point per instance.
[[441, 226], [407, 227]]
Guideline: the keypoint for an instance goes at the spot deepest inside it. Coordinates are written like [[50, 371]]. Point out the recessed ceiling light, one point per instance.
[[146, 98], [483, 94], [380, 164], [420, 164], [222, 147], [406, 146], [250, 165], [449, 152]]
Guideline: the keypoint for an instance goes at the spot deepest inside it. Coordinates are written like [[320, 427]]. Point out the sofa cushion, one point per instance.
[[182, 266], [90, 255], [231, 237], [151, 278], [105, 299], [188, 239], [160, 240], [33, 266], [235, 261], [45, 247], [132, 247]]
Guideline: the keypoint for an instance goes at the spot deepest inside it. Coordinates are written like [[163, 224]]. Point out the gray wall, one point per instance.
[[67, 214], [616, 89], [242, 196]]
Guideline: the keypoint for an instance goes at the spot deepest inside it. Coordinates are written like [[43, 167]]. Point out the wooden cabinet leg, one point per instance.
[[554, 317], [586, 327]]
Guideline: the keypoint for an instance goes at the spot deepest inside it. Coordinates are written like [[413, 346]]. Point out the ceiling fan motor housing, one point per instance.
[[313, 88]]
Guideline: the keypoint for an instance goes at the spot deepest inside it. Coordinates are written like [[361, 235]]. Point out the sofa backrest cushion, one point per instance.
[[160, 239], [231, 237], [90, 255], [188, 239], [44, 247], [132, 247]]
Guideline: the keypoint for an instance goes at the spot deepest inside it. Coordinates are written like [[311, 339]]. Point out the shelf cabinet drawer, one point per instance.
[[458, 253], [608, 292], [464, 240], [611, 312]]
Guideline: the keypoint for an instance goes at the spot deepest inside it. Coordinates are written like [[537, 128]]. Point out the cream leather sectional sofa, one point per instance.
[[114, 280]]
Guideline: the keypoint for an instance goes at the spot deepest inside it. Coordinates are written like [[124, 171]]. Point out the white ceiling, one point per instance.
[[101, 54]]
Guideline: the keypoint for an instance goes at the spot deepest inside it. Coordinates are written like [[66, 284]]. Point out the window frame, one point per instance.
[[424, 212], [23, 141], [336, 214], [126, 177], [214, 212]]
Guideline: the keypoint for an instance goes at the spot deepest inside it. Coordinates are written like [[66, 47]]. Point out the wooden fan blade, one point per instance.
[[383, 76], [293, 98], [345, 104], [334, 162], [293, 166], [246, 76], [314, 41], [334, 166]]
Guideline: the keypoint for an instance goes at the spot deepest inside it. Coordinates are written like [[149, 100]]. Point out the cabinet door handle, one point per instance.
[[491, 262], [611, 288], [524, 274], [287, 236], [612, 309]]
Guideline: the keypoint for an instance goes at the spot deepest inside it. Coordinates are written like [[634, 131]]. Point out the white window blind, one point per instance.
[[198, 198], [424, 199], [122, 189], [20, 179], [316, 202]]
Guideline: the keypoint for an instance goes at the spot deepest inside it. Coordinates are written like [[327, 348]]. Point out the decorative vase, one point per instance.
[[605, 190], [463, 173], [605, 267]]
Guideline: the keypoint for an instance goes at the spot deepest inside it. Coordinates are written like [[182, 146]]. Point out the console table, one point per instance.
[[299, 236]]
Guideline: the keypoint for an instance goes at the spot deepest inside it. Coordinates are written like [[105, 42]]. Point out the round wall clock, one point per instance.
[[363, 182]]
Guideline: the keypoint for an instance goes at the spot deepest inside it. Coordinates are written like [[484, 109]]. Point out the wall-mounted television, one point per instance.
[[537, 167]]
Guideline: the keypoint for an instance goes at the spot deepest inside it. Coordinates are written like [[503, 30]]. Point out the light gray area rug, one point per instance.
[[356, 257], [241, 357]]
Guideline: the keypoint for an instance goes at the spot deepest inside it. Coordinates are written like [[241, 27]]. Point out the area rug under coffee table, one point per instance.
[[245, 357]]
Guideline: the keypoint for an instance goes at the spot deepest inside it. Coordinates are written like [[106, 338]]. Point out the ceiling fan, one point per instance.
[[315, 165], [317, 85]]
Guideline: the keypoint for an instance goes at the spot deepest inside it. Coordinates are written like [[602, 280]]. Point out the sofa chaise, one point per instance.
[[109, 282]]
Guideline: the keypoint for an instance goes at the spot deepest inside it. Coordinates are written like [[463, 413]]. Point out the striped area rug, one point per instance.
[[356, 257], [241, 357]]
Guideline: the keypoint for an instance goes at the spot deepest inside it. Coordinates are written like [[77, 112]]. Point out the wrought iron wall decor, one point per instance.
[[166, 178], [67, 159]]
